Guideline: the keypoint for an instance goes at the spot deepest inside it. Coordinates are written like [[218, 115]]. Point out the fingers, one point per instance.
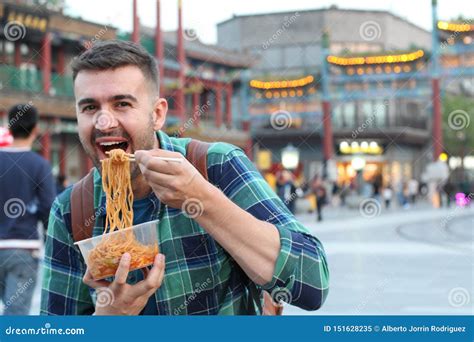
[[154, 278], [122, 270], [89, 281], [147, 161], [159, 178]]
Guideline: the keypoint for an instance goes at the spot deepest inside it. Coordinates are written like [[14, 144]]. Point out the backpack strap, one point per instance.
[[82, 208], [196, 154]]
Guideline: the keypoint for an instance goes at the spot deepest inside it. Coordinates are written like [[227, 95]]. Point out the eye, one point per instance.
[[123, 104], [89, 108]]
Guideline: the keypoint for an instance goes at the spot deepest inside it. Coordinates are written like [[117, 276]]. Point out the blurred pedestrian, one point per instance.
[[449, 190], [319, 191], [27, 194], [387, 195], [412, 188], [286, 189], [61, 183]]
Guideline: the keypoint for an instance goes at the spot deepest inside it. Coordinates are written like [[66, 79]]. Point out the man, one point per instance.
[[240, 241], [27, 191]]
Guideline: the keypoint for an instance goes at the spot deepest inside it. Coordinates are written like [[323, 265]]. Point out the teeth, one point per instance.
[[110, 143]]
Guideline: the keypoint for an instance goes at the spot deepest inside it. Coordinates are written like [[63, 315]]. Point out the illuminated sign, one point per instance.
[[25, 17], [363, 148]]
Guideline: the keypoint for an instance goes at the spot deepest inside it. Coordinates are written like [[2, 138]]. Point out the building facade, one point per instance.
[[201, 82], [367, 93]]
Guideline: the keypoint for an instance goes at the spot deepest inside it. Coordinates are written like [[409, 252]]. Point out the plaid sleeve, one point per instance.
[[63, 292], [301, 275]]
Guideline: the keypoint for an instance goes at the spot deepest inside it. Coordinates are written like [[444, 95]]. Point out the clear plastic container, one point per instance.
[[102, 253]]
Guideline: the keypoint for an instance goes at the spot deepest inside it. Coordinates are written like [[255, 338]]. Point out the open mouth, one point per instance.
[[106, 145]]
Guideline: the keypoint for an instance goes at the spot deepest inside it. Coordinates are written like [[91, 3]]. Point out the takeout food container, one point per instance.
[[102, 253]]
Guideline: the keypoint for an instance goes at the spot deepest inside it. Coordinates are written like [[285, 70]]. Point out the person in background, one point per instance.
[[61, 183], [319, 191], [387, 195], [286, 189], [27, 192], [449, 190], [413, 187]]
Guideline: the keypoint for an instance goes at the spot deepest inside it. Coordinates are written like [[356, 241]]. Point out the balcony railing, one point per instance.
[[303, 122], [31, 81]]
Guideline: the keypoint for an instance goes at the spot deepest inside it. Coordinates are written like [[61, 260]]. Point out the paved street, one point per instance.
[[406, 262], [417, 261]]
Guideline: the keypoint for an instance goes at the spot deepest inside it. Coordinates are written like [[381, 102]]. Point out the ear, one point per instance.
[[34, 132], [160, 108]]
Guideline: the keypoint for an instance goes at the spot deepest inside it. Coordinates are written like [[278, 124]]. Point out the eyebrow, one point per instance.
[[89, 100]]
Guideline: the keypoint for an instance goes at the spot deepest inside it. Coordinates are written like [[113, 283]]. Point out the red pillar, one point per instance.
[[180, 105], [136, 24], [218, 118], [437, 130], [196, 109], [61, 65], [228, 105], [17, 55], [328, 149], [62, 155], [46, 62], [46, 145], [159, 48]]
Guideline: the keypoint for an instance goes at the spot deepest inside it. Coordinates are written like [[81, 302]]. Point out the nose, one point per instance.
[[105, 120]]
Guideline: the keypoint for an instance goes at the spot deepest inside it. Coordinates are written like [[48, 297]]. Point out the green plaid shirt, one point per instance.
[[200, 276]]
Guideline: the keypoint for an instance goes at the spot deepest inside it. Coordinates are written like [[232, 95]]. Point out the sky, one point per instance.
[[203, 15]]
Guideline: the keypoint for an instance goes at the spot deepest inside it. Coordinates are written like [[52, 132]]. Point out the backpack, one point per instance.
[[82, 208]]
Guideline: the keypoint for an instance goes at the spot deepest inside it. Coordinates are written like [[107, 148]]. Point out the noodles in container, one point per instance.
[[103, 253]]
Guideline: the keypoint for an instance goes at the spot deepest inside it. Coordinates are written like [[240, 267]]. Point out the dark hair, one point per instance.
[[61, 178], [22, 119], [112, 54]]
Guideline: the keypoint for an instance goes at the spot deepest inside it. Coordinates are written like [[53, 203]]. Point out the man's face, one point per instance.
[[117, 109]]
